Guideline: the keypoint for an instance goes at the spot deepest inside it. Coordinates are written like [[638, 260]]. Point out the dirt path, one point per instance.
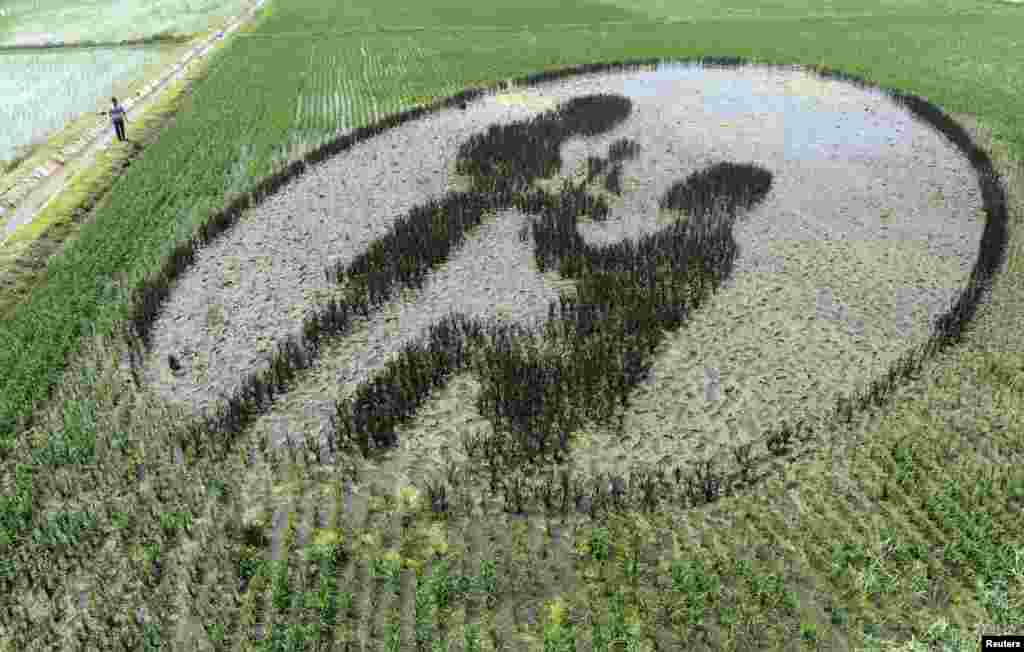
[[51, 178]]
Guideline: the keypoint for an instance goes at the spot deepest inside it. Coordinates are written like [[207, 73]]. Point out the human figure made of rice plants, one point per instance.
[[627, 292]]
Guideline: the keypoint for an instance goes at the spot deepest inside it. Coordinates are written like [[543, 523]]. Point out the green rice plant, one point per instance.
[[216, 632], [599, 544], [76, 443], [154, 565], [471, 638], [600, 637], [151, 552], [904, 469], [120, 520], [292, 637], [874, 580], [218, 489], [172, 522], [871, 631], [941, 636], [119, 441], [977, 542], [743, 568], [250, 563], [281, 590], [616, 634], [700, 587], [441, 585], [919, 585], [390, 571], [900, 551], [947, 637], [840, 616], [16, 507], [327, 556], [1004, 605], [65, 529], [808, 632], [8, 568], [324, 602], [487, 581], [845, 555], [559, 638], [393, 637], [346, 599], [728, 616], [152, 637], [462, 585], [771, 592], [631, 566], [423, 614]]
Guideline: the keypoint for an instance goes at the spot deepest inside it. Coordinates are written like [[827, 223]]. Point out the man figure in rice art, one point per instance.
[[117, 115]]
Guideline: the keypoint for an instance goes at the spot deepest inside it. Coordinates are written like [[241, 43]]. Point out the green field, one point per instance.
[[55, 21], [46, 89], [905, 532]]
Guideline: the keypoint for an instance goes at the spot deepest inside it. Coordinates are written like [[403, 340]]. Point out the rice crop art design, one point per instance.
[[627, 293], [599, 340]]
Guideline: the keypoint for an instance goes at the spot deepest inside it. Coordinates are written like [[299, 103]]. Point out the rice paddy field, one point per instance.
[[34, 22], [470, 490], [44, 90]]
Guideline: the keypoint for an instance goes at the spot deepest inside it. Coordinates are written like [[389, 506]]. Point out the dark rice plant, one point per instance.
[[623, 149], [438, 493], [742, 454], [613, 182], [710, 482]]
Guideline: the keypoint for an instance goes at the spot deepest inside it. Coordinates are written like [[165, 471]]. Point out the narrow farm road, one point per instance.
[[53, 177]]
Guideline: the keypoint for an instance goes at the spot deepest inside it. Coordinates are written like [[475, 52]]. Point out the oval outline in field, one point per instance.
[[993, 239]]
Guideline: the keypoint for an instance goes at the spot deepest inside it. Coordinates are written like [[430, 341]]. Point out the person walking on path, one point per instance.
[[117, 114]]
